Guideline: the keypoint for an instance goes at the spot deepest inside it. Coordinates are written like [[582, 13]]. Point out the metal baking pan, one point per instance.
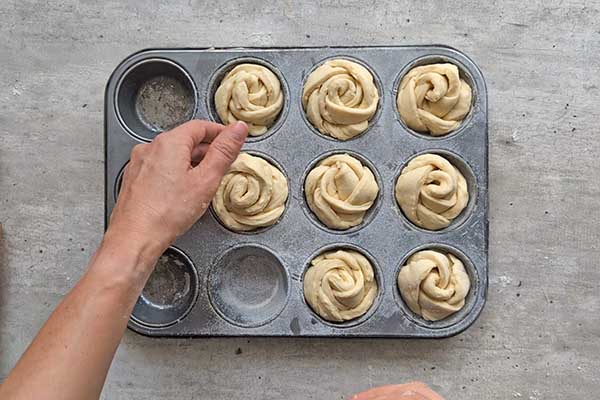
[[215, 282]]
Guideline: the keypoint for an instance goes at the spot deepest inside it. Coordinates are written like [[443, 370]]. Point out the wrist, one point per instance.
[[144, 247], [126, 258]]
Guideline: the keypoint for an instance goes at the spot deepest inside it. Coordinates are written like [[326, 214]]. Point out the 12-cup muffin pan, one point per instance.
[[216, 282]]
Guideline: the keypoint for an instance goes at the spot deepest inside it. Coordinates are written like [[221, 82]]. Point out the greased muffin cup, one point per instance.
[[251, 284]]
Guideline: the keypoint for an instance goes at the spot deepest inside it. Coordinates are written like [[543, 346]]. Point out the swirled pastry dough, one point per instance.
[[434, 285], [340, 190], [340, 98], [251, 195], [340, 285], [431, 191], [249, 93], [433, 98]]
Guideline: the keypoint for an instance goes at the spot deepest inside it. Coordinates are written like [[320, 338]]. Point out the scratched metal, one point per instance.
[[251, 284]]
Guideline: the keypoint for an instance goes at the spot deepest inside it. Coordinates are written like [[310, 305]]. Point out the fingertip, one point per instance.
[[239, 130], [222, 152]]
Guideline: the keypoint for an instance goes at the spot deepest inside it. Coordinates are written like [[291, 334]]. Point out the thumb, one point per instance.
[[223, 151]]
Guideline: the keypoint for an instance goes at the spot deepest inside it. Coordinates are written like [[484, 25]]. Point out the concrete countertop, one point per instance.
[[539, 335]]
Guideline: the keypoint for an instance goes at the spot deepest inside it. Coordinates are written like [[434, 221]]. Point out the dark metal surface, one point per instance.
[[387, 236]]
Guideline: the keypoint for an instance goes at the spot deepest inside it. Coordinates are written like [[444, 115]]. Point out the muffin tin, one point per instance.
[[225, 283]]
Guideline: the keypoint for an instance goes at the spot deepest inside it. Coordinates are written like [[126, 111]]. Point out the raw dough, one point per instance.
[[434, 285], [340, 98], [431, 191], [340, 190], [249, 93], [251, 195], [433, 98], [340, 285]]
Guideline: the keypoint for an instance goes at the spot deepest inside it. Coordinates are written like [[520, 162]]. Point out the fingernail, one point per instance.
[[239, 130]]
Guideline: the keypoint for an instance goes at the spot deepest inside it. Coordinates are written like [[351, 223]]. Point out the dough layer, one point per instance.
[[340, 98], [251, 195], [431, 191], [433, 98], [340, 190], [434, 285], [340, 285], [249, 93]]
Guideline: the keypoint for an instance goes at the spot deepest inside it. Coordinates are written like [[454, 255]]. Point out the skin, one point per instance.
[[407, 391], [167, 186]]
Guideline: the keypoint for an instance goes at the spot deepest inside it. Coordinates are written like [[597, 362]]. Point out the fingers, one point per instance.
[[199, 152], [380, 393], [138, 151], [223, 150], [196, 131], [396, 392]]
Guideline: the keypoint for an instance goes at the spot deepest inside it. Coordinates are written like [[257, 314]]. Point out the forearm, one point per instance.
[[167, 185], [72, 353]]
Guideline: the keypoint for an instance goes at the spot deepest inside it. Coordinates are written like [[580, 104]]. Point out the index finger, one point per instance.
[[196, 131], [219, 157]]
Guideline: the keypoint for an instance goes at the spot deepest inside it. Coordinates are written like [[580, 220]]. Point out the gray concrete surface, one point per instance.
[[539, 336]]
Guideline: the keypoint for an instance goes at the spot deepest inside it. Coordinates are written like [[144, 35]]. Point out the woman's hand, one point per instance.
[[167, 186], [408, 391], [169, 183]]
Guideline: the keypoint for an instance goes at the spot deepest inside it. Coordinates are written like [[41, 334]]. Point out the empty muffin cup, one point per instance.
[[119, 181], [153, 96], [248, 285], [170, 292]]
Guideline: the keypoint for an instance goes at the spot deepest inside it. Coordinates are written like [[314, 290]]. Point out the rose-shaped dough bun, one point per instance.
[[251, 195], [340, 98], [433, 98], [340, 285], [431, 191], [340, 190], [434, 285], [249, 93]]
